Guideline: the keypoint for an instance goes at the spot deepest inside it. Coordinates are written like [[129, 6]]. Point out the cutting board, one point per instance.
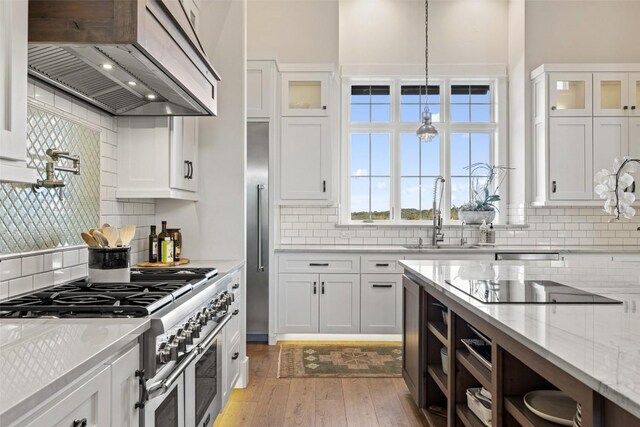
[[183, 261]]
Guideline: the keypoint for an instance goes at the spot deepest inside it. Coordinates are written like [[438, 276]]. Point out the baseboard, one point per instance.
[[339, 337], [243, 379]]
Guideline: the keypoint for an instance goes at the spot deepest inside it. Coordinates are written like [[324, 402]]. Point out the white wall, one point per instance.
[[214, 227], [299, 31], [392, 31], [564, 31]]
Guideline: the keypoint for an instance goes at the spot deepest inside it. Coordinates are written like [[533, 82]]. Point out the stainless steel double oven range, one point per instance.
[[181, 375]]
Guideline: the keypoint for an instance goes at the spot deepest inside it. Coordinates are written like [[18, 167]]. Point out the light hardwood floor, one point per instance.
[[309, 402]]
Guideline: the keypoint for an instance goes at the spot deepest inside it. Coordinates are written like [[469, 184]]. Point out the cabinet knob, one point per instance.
[[554, 108], [79, 422], [315, 289], [324, 186], [633, 107], [324, 107], [235, 286], [235, 356], [554, 187], [626, 107], [322, 288]]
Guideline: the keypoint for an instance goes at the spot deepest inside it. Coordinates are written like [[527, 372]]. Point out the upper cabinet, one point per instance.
[[582, 121], [158, 158], [570, 94], [13, 93], [261, 85], [305, 94]]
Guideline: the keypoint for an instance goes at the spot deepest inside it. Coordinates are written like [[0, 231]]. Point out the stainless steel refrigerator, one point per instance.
[[257, 232]]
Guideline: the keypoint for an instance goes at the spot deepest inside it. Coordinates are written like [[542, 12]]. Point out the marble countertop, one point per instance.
[[598, 344], [223, 266], [452, 249], [39, 357]]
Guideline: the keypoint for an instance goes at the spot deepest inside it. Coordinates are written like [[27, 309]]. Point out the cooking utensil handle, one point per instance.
[[260, 261]]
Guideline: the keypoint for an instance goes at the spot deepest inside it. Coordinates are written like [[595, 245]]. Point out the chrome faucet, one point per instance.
[[463, 240], [438, 235], [54, 155]]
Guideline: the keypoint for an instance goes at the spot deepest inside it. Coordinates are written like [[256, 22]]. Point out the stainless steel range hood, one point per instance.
[[126, 57]]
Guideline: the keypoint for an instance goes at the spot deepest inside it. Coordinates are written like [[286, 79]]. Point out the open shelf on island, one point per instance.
[[475, 368], [439, 330], [514, 405], [467, 417], [434, 420], [439, 377]]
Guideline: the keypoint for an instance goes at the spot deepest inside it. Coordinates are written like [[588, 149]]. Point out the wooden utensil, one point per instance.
[[127, 234], [112, 235], [90, 240], [101, 239], [105, 225]]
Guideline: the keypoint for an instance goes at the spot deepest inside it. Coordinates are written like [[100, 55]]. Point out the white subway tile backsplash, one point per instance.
[[52, 261], [43, 280], [79, 271], [32, 265], [61, 276], [10, 269], [70, 258], [4, 290], [20, 286]]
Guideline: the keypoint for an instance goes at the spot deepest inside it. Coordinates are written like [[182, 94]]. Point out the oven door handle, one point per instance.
[[160, 387]]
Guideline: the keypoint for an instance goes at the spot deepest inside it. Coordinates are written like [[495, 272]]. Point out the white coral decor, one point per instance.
[[606, 186]]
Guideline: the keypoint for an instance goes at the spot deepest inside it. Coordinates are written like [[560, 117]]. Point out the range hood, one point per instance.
[[126, 57]]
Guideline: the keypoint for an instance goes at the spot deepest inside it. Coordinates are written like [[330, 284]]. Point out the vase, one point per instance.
[[476, 217]]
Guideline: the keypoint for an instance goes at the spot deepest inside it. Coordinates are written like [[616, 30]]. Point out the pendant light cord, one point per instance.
[[426, 54]]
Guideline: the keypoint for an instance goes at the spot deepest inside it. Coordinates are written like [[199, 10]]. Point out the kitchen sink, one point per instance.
[[456, 247]]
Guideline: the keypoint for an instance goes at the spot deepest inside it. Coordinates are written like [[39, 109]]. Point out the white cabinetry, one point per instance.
[[158, 157], [584, 116], [308, 129], [305, 159], [88, 404], [298, 303], [125, 389], [381, 301], [305, 94], [570, 158], [339, 303], [260, 89], [13, 93], [234, 339]]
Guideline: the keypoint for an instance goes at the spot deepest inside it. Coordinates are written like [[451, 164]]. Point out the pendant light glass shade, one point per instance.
[[426, 132]]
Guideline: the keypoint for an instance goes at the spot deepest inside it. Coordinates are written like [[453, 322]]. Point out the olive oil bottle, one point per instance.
[[153, 245], [161, 238]]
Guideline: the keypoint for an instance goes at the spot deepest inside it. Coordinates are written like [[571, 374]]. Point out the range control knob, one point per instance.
[[173, 348], [188, 335], [163, 356], [181, 340], [195, 329], [203, 317]]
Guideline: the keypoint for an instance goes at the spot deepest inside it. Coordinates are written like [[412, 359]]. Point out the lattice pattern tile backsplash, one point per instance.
[[30, 221]]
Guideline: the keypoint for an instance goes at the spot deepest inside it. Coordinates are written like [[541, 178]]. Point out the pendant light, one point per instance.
[[426, 132]]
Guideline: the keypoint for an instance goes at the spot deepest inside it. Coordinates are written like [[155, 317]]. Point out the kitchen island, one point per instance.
[[589, 351]]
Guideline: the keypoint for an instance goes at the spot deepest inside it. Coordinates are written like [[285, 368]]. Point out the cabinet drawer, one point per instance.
[[233, 365], [236, 285], [381, 264], [232, 330], [319, 263], [381, 302]]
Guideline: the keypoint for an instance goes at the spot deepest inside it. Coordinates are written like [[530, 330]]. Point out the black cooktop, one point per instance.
[[527, 292]]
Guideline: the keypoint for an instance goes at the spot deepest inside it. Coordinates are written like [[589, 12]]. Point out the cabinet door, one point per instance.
[[13, 80], [412, 331], [610, 140], [634, 94], [570, 158], [298, 303], [125, 389], [570, 94], [381, 304], [190, 152], [305, 94], [305, 157], [634, 148], [90, 401], [260, 84], [610, 94], [340, 303]]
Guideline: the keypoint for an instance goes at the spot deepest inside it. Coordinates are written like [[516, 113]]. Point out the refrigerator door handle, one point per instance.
[[260, 261]]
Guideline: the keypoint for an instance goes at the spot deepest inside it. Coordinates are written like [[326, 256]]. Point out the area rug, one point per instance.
[[340, 360]]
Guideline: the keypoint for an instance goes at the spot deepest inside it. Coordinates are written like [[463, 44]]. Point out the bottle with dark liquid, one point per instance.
[[164, 233], [153, 245]]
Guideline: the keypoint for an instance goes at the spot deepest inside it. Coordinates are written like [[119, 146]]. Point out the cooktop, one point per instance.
[[527, 292]]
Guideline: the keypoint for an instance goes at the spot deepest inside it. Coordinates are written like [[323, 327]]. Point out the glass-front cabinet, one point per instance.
[[616, 94], [305, 94], [634, 94], [570, 94]]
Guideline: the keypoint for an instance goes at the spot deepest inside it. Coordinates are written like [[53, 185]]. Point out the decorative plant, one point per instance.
[[611, 186], [485, 183]]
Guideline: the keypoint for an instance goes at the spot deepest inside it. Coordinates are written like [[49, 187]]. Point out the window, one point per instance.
[[391, 173]]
